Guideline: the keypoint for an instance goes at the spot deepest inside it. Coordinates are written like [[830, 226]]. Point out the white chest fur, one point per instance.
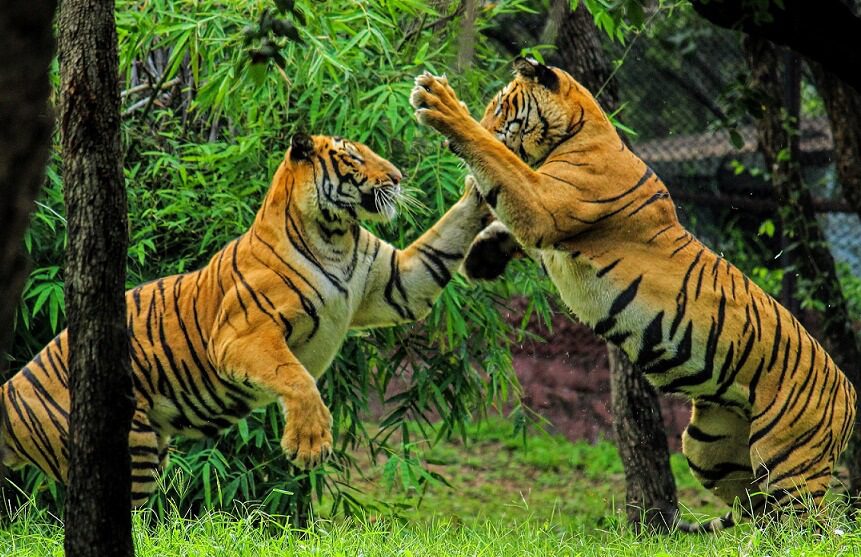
[[316, 339], [584, 294]]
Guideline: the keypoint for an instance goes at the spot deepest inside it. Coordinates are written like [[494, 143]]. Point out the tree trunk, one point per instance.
[[650, 489], [98, 505], [814, 264], [843, 105], [26, 121], [649, 485], [466, 37]]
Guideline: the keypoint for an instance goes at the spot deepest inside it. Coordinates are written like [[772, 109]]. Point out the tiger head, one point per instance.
[[542, 107], [342, 179]]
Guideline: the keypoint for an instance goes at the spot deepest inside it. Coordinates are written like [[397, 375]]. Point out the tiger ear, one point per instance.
[[301, 146], [531, 68]]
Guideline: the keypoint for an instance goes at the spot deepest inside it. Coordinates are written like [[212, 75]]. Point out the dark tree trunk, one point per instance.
[[649, 484], [650, 489], [819, 30], [26, 121], [98, 505], [813, 261], [843, 105]]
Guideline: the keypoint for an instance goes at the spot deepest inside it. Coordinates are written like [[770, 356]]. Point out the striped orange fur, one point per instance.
[[262, 321], [771, 410]]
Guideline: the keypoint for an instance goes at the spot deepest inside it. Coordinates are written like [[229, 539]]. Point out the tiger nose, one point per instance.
[[396, 176]]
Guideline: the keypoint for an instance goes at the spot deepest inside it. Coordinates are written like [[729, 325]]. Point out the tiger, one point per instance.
[[261, 321], [771, 411]]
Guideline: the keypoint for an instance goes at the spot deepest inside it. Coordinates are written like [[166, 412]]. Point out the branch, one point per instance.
[[146, 86], [753, 205]]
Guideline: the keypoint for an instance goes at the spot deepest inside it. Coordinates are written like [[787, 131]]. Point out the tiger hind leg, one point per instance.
[[794, 447], [146, 456], [716, 446], [795, 479]]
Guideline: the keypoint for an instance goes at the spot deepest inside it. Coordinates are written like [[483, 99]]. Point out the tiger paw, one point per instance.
[[490, 252], [307, 439], [437, 104]]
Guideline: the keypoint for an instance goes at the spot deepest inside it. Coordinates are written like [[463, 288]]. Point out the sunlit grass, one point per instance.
[[258, 534], [547, 497]]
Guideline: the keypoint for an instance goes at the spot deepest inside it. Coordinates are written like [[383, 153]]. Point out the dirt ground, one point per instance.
[[567, 381]]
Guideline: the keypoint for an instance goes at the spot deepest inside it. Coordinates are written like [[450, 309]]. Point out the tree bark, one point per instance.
[[813, 261], [466, 38], [817, 30], [98, 505], [843, 104], [650, 488], [26, 122]]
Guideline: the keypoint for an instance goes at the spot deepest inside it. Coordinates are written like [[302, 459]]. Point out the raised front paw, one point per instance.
[[490, 253], [437, 104], [307, 439]]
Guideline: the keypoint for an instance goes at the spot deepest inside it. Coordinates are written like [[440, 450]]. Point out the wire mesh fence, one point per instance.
[[676, 86]]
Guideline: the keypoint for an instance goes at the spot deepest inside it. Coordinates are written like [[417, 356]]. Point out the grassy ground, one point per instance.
[[498, 477], [550, 498]]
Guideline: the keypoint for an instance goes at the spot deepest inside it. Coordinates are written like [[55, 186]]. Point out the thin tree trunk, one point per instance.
[[813, 260], [650, 489], [466, 37], [26, 121], [98, 505]]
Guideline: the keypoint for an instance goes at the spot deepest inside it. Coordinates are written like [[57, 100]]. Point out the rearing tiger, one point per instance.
[[771, 410], [262, 320]]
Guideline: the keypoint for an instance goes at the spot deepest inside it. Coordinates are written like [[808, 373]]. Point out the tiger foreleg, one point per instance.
[[536, 208], [490, 252], [264, 360], [403, 284], [145, 458]]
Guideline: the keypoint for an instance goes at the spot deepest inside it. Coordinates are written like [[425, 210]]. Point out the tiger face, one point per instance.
[[542, 107], [343, 179]]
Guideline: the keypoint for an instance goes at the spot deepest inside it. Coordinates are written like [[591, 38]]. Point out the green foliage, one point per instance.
[[621, 18], [200, 152]]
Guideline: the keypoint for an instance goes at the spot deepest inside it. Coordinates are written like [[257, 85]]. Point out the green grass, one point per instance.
[[550, 497], [497, 476], [255, 535]]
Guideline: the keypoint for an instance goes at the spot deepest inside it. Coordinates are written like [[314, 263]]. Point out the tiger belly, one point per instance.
[[585, 296], [666, 344]]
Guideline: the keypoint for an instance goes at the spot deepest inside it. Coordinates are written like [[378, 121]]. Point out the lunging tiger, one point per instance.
[[262, 320], [771, 410]]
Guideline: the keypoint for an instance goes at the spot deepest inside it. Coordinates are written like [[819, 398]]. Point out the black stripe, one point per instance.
[[646, 175], [697, 434], [656, 197], [620, 303], [604, 270]]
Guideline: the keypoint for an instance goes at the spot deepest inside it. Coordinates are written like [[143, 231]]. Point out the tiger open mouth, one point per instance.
[[381, 199]]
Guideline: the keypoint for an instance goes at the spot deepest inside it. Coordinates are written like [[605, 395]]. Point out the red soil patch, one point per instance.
[[567, 381]]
